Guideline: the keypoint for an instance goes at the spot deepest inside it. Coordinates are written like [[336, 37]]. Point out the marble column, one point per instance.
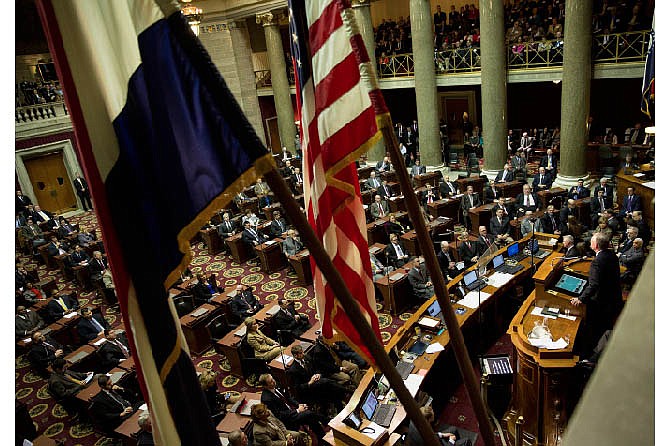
[[575, 92], [280, 88], [364, 20], [425, 85], [494, 85]]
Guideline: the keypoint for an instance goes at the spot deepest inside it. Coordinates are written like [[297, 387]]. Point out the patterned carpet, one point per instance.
[[51, 420]]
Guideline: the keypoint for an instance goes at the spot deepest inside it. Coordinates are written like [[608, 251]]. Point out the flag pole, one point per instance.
[[349, 304], [433, 267]]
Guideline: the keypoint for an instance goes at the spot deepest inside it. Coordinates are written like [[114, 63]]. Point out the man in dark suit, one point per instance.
[[288, 319], [447, 262], [384, 165], [287, 409], [519, 163], [419, 279], [508, 211], [417, 168], [310, 385], [244, 303], [372, 183], [570, 248], [642, 226], [64, 227], [627, 242], [278, 226], [251, 237], [491, 194], [445, 437], [26, 322], [99, 269], [485, 241], [379, 208], [527, 201], [60, 304], [43, 352], [598, 208], [505, 175], [428, 196], [467, 250], [385, 191], [500, 228], [394, 252], [21, 202], [65, 384], [569, 209], [114, 350], [632, 258], [296, 181], [90, 326], [108, 407], [542, 180], [57, 248], [612, 221], [579, 191], [78, 257], [631, 202], [549, 162], [448, 188], [550, 221], [83, 192], [228, 227], [287, 170], [602, 295], [469, 200], [608, 192], [40, 216]]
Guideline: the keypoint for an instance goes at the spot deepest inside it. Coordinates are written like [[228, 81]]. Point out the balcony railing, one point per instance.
[[40, 112]]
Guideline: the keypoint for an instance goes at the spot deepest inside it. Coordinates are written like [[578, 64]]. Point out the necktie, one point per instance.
[[398, 251], [62, 303], [602, 205], [48, 346], [122, 347], [284, 399], [299, 179], [102, 265], [386, 191], [97, 325], [253, 233], [471, 202], [526, 200], [430, 198], [118, 398], [549, 162], [381, 211], [541, 177], [376, 183]]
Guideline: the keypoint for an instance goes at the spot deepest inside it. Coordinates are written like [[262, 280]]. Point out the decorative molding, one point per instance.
[[269, 18], [213, 28], [360, 3]]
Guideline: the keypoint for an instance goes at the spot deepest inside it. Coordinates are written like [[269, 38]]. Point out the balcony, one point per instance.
[[41, 119]]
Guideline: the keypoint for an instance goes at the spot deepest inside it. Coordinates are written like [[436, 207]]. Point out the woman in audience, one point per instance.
[[264, 347], [602, 227]]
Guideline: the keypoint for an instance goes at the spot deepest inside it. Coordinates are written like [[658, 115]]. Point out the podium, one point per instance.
[[301, 264], [396, 291], [477, 184], [271, 256], [446, 207], [212, 240]]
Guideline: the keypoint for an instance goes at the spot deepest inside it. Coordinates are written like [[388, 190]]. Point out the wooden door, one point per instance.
[[51, 182], [453, 109], [272, 129]]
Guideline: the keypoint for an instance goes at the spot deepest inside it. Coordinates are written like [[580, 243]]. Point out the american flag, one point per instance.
[[340, 105]]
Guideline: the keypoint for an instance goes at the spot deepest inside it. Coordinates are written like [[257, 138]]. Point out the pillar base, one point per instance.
[[567, 181], [490, 174]]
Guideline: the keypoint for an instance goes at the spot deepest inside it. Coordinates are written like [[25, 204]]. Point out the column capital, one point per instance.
[[360, 3], [269, 18]]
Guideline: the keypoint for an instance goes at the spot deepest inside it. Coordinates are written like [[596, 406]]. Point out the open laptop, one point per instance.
[[500, 266], [514, 253], [382, 414], [472, 282], [534, 247]]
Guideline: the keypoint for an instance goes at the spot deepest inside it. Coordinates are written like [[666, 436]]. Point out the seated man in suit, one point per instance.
[[61, 304], [287, 409], [26, 322], [269, 430], [285, 154], [417, 168], [608, 192], [631, 203], [395, 254], [469, 200], [542, 181], [550, 222], [384, 165], [485, 241], [90, 325], [228, 227], [627, 242], [108, 407], [385, 191], [500, 228], [508, 211], [41, 216], [612, 221], [296, 181], [598, 207], [571, 251], [244, 303], [447, 437], [278, 226], [491, 194], [531, 225], [422, 285], [79, 257], [378, 271], [505, 175], [64, 384], [113, 351], [290, 320], [447, 262], [64, 227], [642, 226], [527, 201], [579, 191], [519, 163], [262, 191], [57, 248], [628, 162], [372, 183], [292, 245], [428, 196], [393, 226], [205, 288], [100, 270], [311, 386], [33, 234], [549, 162], [448, 188], [327, 362], [569, 209], [632, 258], [264, 347], [287, 170], [379, 208], [251, 237], [467, 250], [43, 352]]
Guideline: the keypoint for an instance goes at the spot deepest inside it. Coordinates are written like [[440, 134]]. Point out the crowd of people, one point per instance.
[[33, 93]]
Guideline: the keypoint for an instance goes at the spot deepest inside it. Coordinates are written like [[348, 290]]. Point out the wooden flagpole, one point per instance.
[[426, 246], [350, 305]]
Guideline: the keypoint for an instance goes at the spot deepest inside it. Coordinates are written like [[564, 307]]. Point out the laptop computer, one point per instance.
[[534, 247], [498, 261], [472, 282], [382, 414], [514, 253]]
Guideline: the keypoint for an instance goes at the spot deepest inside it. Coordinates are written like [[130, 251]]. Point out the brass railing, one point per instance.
[[40, 112]]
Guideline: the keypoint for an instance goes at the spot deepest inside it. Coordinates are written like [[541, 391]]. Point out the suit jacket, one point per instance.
[[274, 433], [277, 227], [446, 188], [225, 229], [490, 194], [259, 342], [110, 353], [30, 232], [371, 183], [609, 194], [77, 257], [632, 259], [550, 223], [418, 170], [283, 408], [248, 237], [533, 207], [61, 387], [382, 167], [25, 323], [287, 322], [519, 163], [603, 292], [508, 211], [42, 356], [96, 269], [504, 175], [243, 302], [566, 212], [291, 246], [571, 252], [465, 202], [499, 228], [392, 255], [595, 207], [53, 250], [65, 230], [545, 162], [383, 193], [576, 193], [87, 330], [468, 250], [21, 201], [547, 180], [55, 310], [106, 410], [444, 259], [418, 279], [37, 218], [297, 187], [482, 246], [423, 199], [527, 226], [81, 186], [374, 209], [631, 203], [394, 228]]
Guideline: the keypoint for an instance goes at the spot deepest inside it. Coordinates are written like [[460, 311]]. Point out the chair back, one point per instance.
[[183, 304], [218, 327]]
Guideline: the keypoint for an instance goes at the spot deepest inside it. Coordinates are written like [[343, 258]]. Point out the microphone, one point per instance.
[[565, 258]]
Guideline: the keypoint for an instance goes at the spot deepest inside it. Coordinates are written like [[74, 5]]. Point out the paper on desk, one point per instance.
[[499, 279], [537, 311], [650, 184], [377, 430], [472, 299], [434, 348], [571, 318], [412, 382], [27, 340], [283, 359], [143, 407], [224, 441], [638, 175], [70, 315], [548, 343]]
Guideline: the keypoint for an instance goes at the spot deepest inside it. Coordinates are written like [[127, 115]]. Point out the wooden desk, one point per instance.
[[83, 275], [311, 334], [230, 347], [515, 224], [271, 256], [82, 359], [233, 421], [396, 293], [480, 216], [50, 330], [446, 207], [397, 204], [509, 189], [377, 231], [117, 375], [47, 285], [429, 177], [240, 251], [546, 196], [364, 172], [195, 330], [268, 210], [301, 264], [584, 211], [212, 240], [367, 196], [129, 428], [250, 203], [476, 182], [410, 240], [61, 261], [390, 175], [646, 193]]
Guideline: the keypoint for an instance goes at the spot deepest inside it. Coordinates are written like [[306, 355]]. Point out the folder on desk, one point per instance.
[[241, 332], [272, 311], [397, 276], [116, 376], [78, 357], [199, 312], [270, 242]]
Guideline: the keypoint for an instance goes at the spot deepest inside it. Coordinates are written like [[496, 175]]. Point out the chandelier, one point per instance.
[[193, 15]]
